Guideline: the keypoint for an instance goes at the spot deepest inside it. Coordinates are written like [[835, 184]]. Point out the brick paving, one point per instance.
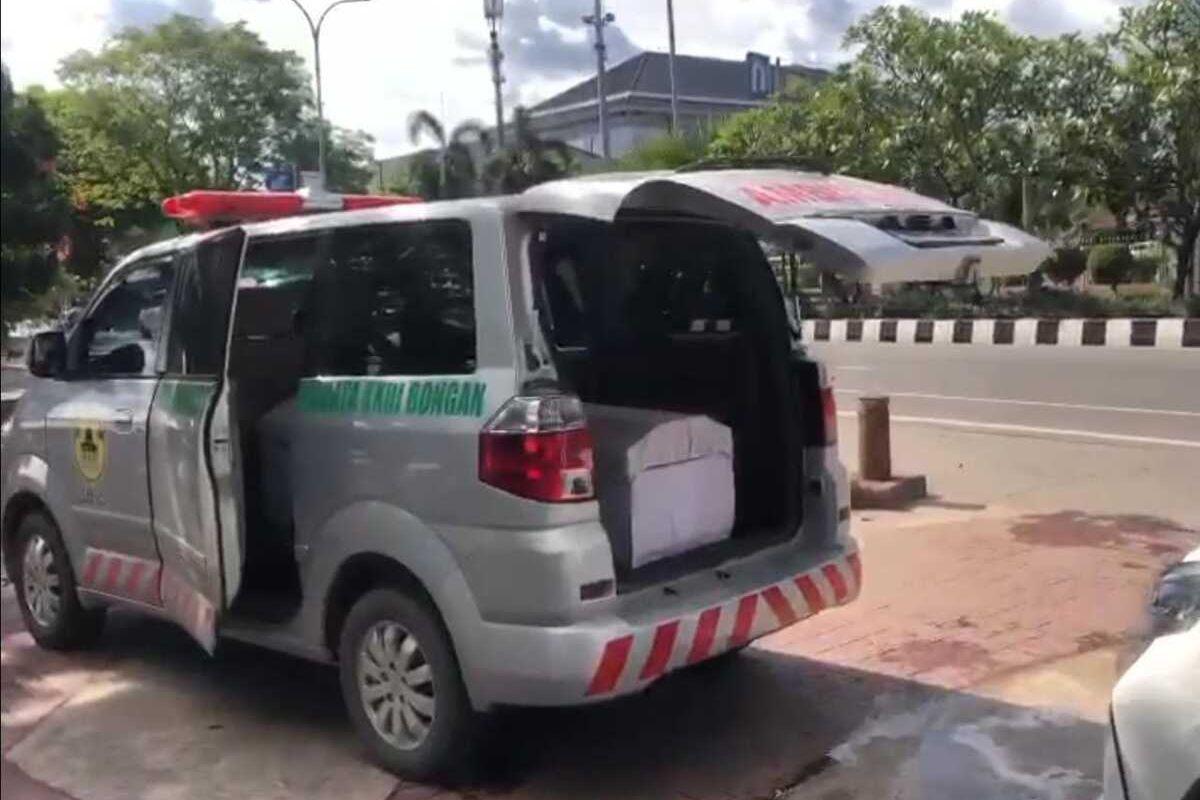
[[952, 603], [950, 600]]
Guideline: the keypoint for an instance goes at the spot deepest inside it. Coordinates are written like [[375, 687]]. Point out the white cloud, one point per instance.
[[384, 59]]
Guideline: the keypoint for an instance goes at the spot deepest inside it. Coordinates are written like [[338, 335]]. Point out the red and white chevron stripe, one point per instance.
[[190, 608], [146, 582], [121, 576], [636, 658]]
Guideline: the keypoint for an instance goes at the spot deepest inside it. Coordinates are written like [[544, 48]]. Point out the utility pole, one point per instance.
[[671, 66], [315, 30], [493, 11], [598, 19]]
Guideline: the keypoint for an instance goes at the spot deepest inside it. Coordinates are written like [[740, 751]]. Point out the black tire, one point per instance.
[[724, 660], [447, 749], [73, 626]]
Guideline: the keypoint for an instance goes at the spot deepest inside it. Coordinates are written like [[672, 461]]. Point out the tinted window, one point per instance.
[[280, 262], [274, 290], [396, 300], [636, 282], [199, 323], [120, 335]]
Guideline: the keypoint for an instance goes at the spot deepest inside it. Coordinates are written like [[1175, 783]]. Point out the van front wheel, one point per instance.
[[45, 588], [402, 686]]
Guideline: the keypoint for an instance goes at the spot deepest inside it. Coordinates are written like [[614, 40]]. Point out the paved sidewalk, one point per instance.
[[970, 625]]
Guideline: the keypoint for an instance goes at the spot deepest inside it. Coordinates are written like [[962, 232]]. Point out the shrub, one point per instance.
[[1065, 265], [1191, 306], [1145, 269], [1110, 264]]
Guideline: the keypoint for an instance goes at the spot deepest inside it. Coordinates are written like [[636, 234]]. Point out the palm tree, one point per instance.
[[528, 160], [452, 172]]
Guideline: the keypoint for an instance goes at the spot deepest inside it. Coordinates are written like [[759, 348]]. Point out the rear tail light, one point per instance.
[[829, 413], [539, 448]]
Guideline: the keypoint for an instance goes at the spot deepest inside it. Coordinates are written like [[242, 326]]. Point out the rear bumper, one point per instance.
[[657, 633]]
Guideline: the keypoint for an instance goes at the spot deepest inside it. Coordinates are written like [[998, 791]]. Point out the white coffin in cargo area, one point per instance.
[[664, 481]]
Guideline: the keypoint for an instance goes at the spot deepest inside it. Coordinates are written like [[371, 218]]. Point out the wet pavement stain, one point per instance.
[[962, 746], [1153, 535], [921, 655]]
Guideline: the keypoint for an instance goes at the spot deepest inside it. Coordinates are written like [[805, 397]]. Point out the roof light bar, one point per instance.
[[206, 207]]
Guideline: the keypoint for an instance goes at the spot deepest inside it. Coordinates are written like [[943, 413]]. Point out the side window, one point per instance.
[[274, 290], [397, 299], [277, 263], [199, 323], [120, 336]]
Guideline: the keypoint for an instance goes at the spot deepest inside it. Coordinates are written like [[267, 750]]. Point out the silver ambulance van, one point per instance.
[[535, 450]]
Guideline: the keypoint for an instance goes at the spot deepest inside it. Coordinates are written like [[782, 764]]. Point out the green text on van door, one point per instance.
[[424, 398]]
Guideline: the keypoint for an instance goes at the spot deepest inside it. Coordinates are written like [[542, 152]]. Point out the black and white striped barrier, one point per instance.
[[1171, 333]]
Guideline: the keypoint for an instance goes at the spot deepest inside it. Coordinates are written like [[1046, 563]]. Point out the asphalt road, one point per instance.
[[1147, 397]]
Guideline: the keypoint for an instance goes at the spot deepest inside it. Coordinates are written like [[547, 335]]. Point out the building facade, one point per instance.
[[638, 91]]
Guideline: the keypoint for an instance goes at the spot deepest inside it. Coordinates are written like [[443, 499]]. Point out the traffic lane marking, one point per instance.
[[1014, 401], [1036, 430]]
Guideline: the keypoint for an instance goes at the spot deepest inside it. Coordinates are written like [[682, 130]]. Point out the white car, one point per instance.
[[1153, 751]]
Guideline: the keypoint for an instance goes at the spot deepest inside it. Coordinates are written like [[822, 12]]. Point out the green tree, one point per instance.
[[1153, 133], [450, 170], [781, 130], [34, 213], [664, 152], [182, 106], [527, 159], [1110, 264], [965, 110], [190, 105]]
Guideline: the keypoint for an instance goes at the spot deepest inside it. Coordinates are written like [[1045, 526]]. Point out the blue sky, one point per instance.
[[386, 58]]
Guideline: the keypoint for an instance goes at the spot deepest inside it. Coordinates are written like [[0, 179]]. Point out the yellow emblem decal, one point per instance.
[[91, 450]]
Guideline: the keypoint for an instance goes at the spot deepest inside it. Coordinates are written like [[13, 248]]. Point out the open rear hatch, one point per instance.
[[660, 311], [866, 232]]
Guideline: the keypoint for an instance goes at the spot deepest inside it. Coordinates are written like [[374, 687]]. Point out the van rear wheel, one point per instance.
[[45, 588], [402, 687]]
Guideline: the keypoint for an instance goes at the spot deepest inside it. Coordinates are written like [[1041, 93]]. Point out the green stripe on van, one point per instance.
[[187, 398], [453, 397]]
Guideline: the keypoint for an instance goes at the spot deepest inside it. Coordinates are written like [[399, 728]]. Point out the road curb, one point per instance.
[[1172, 333]]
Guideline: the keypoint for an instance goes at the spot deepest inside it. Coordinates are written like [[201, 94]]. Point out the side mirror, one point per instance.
[[47, 354]]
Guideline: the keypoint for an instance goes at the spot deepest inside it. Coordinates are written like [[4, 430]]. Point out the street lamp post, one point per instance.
[[493, 11], [598, 20], [315, 30], [671, 67]]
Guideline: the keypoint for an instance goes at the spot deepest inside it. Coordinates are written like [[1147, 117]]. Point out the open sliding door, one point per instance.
[[195, 488]]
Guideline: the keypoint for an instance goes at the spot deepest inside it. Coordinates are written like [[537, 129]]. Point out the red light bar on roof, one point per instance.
[[205, 207]]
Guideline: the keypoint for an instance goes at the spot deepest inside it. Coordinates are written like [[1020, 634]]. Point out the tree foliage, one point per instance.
[[669, 151], [33, 210], [181, 106], [1152, 167], [1065, 265], [466, 161], [1110, 264], [452, 168], [1027, 130], [186, 104], [527, 159]]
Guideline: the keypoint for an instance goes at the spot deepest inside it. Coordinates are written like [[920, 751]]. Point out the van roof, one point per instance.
[[869, 231]]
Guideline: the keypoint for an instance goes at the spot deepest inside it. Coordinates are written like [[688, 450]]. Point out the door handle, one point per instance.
[[123, 420]]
